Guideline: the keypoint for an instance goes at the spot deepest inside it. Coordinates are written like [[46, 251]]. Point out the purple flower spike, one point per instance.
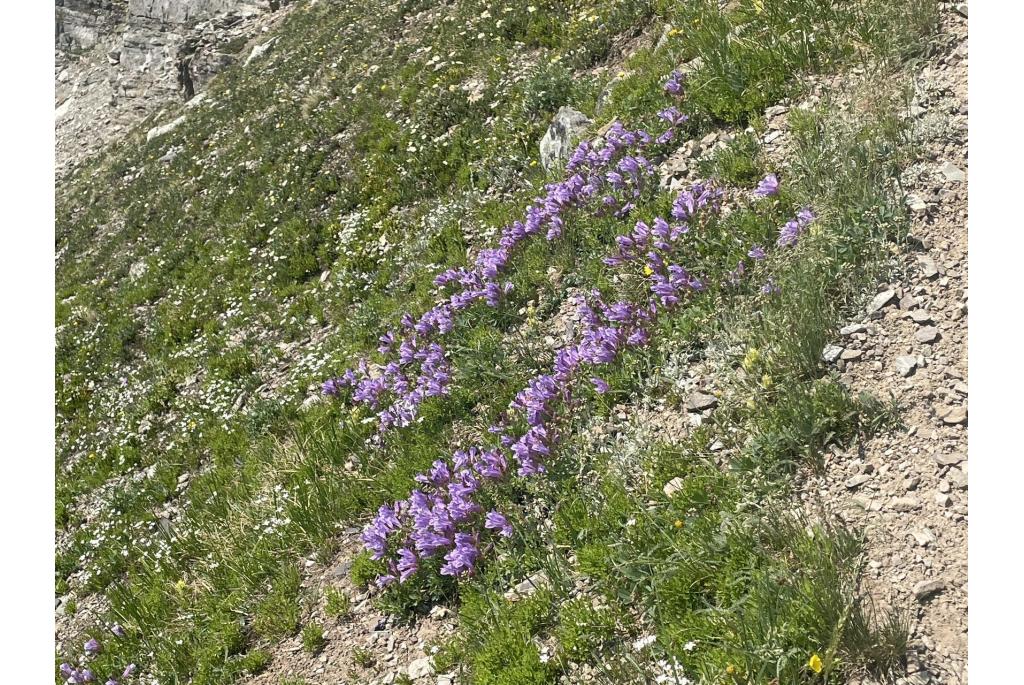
[[129, 672], [408, 564], [768, 186], [112, 682], [600, 385], [118, 630], [674, 85], [789, 234], [756, 253], [495, 521], [92, 647], [67, 671]]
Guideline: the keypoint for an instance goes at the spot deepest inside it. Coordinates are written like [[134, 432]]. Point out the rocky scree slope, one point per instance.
[[121, 62]]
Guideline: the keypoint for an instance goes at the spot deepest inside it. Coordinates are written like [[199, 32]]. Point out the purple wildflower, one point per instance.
[[462, 559], [756, 253], [92, 647], [674, 85], [495, 521], [600, 385], [789, 234], [407, 564], [768, 186], [117, 630], [129, 671]]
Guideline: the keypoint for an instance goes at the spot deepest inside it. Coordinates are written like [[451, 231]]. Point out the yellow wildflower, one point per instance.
[[814, 663], [678, 524], [730, 669], [751, 359], [766, 381], [648, 270]]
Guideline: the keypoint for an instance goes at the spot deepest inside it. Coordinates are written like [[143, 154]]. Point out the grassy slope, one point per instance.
[[377, 144]]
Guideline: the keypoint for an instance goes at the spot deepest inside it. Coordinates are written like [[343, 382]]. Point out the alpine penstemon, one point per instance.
[[444, 515]]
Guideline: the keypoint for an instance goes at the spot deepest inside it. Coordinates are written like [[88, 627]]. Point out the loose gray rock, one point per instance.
[[961, 8], [851, 355], [904, 504], [924, 537], [928, 267], [954, 415], [857, 481], [831, 353], [158, 131], [673, 486], [953, 173], [258, 51], [700, 401], [906, 364], [958, 478], [847, 331], [928, 334], [420, 668], [946, 459], [921, 316], [880, 300], [528, 586], [566, 129], [915, 203], [927, 588]]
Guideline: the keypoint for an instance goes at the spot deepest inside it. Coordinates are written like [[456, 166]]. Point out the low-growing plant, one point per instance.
[[313, 638], [338, 603]]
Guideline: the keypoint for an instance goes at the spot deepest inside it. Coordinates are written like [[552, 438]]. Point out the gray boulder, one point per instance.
[[562, 136]]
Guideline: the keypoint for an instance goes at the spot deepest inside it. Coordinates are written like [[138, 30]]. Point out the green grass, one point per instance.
[[313, 638], [303, 167]]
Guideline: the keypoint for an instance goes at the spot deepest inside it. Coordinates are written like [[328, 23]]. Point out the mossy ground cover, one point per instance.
[[323, 187]]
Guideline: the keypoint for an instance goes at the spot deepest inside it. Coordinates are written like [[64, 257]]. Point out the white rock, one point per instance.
[[63, 110], [565, 130], [158, 131], [673, 486], [420, 668], [258, 51], [880, 300], [953, 173]]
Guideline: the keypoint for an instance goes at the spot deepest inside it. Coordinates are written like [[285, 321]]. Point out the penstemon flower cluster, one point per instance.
[[609, 172], [445, 516]]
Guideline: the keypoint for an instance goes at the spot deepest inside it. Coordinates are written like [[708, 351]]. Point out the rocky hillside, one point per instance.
[[545, 342], [122, 62]]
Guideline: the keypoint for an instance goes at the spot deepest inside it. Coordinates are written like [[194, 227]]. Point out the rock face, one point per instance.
[[119, 61], [564, 133]]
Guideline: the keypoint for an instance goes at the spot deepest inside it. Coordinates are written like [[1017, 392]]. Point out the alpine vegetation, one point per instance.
[[360, 381]]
